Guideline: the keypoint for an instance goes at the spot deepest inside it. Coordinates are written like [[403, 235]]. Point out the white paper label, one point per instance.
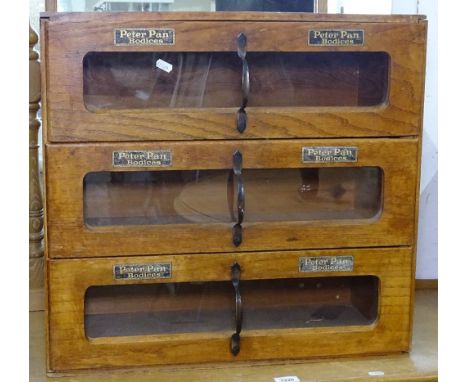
[[376, 373], [163, 65], [291, 378]]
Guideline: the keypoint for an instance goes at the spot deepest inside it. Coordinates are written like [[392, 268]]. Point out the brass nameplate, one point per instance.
[[156, 158], [142, 271], [326, 264], [329, 154], [144, 36], [336, 37]]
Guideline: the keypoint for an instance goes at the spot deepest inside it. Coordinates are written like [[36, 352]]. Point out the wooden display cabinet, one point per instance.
[[242, 183]]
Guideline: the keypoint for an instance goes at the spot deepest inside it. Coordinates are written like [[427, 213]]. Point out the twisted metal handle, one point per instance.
[[242, 53], [235, 338], [237, 170]]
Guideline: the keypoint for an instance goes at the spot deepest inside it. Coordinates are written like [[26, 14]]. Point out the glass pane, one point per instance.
[[311, 302], [157, 197], [131, 80], [185, 5], [130, 310], [207, 196]]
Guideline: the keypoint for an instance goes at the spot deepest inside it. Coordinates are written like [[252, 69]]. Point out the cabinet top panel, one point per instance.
[[228, 16]]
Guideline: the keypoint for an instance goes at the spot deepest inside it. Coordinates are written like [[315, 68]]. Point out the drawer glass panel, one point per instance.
[[130, 310], [137, 80], [208, 196], [309, 302]]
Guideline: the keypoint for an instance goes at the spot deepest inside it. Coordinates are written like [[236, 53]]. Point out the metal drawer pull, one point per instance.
[[237, 170], [242, 53], [235, 338]]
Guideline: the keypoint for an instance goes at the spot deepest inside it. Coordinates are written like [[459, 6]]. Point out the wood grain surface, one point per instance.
[[105, 18], [81, 133], [418, 365], [69, 349], [70, 38], [69, 236]]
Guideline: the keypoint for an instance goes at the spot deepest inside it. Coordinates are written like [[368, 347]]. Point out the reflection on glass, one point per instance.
[[129, 310], [265, 5], [131, 80], [312, 302], [135, 5], [185, 5], [207, 196]]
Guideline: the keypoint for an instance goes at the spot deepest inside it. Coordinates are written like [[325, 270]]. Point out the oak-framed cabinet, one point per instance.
[[242, 183]]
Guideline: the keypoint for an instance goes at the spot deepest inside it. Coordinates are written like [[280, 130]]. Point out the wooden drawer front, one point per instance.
[[70, 348], [287, 205], [80, 58]]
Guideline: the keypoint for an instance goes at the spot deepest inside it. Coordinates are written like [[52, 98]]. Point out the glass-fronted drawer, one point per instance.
[[168, 77], [228, 306], [218, 197], [148, 309]]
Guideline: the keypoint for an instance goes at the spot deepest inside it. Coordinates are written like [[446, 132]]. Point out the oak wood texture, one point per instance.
[[69, 236], [78, 142], [418, 365], [416, 198], [427, 283], [69, 349], [66, 17], [403, 38], [36, 211]]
